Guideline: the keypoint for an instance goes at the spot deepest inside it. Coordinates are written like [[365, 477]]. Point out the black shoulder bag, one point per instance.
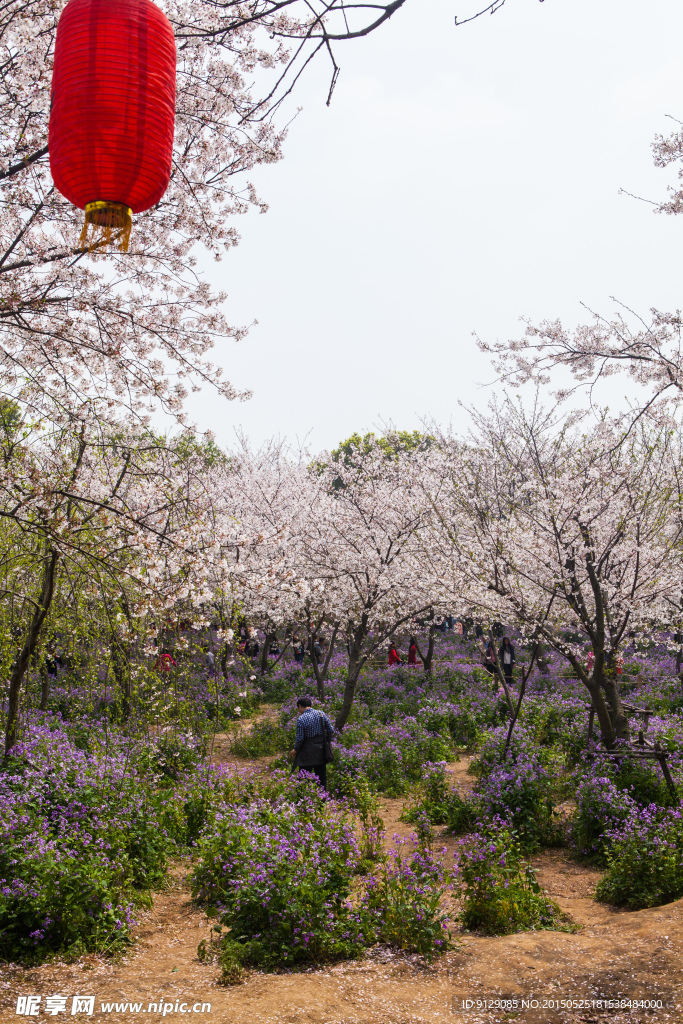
[[328, 754]]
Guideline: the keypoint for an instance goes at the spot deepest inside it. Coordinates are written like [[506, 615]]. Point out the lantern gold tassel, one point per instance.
[[107, 220]]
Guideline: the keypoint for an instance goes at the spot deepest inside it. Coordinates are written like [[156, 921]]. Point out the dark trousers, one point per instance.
[[508, 674], [319, 770]]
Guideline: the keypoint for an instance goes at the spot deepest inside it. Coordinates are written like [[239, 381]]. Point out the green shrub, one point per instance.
[[643, 781], [522, 788], [178, 755], [404, 901], [290, 903], [438, 803], [600, 809], [231, 959], [82, 846], [645, 861], [500, 891]]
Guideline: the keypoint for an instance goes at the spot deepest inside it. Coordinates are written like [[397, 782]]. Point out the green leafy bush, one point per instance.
[[263, 740], [645, 861], [278, 874], [403, 901], [600, 809], [520, 789], [500, 891], [393, 757], [642, 780], [440, 804], [82, 844]]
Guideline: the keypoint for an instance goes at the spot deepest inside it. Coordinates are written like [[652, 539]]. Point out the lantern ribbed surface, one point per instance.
[[113, 103]]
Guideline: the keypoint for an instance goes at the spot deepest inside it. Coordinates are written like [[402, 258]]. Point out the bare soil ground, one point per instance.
[[615, 955]]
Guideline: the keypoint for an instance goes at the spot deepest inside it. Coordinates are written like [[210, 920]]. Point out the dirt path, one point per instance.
[[615, 955], [221, 742]]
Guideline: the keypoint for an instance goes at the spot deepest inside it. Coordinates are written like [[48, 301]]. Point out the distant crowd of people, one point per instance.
[[246, 644], [491, 657]]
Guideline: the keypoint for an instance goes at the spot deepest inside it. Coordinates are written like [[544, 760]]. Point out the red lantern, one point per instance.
[[112, 110]]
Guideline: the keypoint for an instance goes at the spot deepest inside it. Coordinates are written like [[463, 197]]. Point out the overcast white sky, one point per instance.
[[461, 179]]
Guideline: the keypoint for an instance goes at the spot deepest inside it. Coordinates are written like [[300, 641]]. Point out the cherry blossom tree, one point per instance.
[[262, 508], [138, 331], [568, 535], [363, 547]]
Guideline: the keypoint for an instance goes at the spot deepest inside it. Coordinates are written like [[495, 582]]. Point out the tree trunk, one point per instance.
[[280, 655], [227, 649], [330, 650], [428, 658], [618, 716], [526, 672], [542, 661], [321, 673], [356, 662], [349, 690], [500, 674], [23, 658], [514, 717], [267, 641], [602, 711]]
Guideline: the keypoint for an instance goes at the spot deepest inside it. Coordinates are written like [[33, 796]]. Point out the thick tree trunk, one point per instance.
[[542, 661], [267, 641], [356, 662], [349, 691], [602, 711], [618, 716], [428, 656], [25, 654]]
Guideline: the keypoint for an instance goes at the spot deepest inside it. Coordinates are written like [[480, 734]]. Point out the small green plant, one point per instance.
[[231, 958], [500, 891]]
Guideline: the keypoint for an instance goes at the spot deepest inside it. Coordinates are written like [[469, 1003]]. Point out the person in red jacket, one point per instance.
[[394, 657], [412, 652], [165, 662]]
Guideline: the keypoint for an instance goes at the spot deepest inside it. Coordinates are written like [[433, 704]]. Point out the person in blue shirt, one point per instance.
[[313, 728]]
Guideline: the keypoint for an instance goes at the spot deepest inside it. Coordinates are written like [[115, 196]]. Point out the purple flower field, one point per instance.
[[93, 809]]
